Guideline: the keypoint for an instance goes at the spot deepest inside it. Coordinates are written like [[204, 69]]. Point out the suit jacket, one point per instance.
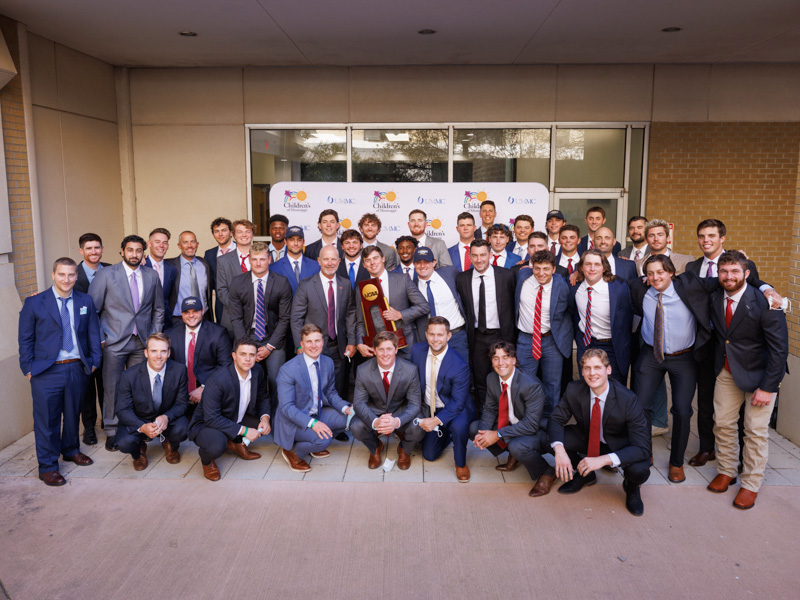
[[210, 257], [527, 400], [82, 283], [510, 262], [361, 272], [696, 265], [621, 322], [176, 286], [212, 349], [521, 251], [452, 384], [111, 293], [449, 276], [455, 257], [170, 274], [220, 406], [228, 267], [583, 246], [296, 398], [370, 399], [560, 320], [312, 250], [625, 269], [439, 250], [134, 398], [756, 344], [505, 286], [625, 427], [679, 260], [405, 297], [310, 305], [391, 255], [40, 333], [285, 267], [629, 252], [277, 302]]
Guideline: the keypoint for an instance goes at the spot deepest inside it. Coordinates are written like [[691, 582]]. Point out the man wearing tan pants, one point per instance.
[[750, 363]]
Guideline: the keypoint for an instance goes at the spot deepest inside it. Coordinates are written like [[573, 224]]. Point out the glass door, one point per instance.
[[575, 204]]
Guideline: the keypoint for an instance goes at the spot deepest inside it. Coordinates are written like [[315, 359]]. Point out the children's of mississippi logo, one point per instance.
[[294, 198], [433, 227], [385, 200], [472, 200]]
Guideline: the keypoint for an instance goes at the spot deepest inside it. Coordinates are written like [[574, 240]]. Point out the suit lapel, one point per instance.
[[745, 306], [320, 292], [613, 293], [124, 283], [381, 390], [341, 297], [178, 352], [611, 404], [144, 385], [587, 399], [52, 306]]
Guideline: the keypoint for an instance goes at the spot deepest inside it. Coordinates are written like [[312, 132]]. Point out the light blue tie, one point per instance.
[[66, 327], [352, 275], [317, 402], [157, 392]]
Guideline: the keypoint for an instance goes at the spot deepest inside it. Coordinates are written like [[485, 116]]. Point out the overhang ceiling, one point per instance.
[[379, 32]]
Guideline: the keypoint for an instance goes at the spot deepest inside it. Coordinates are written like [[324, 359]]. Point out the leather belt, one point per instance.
[[66, 362], [604, 341], [457, 329], [684, 351], [544, 335]]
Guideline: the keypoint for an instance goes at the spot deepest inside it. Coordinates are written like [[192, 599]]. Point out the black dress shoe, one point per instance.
[[342, 437], [633, 500], [111, 443], [89, 436], [576, 484]]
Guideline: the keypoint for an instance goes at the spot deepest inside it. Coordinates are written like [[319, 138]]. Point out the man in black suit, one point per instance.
[[151, 402], [235, 407], [351, 266], [221, 230], [201, 346], [610, 430], [329, 228], [511, 417], [486, 292], [192, 278], [91, 248], [752, 348], [639, 248], [260, 306]]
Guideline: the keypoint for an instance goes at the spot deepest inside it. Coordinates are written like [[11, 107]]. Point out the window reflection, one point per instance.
[[400, 155]]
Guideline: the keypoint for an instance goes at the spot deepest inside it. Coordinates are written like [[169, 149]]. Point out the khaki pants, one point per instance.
[[728, 399]]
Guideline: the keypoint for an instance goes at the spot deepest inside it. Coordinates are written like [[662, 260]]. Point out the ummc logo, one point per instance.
[[332, 200], [512, 200], [295, 199], [472, 200], [393, 228], [423, 200]]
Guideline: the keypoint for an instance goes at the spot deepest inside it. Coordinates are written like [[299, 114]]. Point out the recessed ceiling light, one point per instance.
[[671, 29], [188, 33], [426, 31]]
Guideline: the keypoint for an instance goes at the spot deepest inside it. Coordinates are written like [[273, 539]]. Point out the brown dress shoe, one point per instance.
[[676, 474], [295, 462], [173, 456], [403, 459], [720, 483], [140, 464], [745, 499], [701, 458], [510, 465], [375, 457], [462, 474], [241, 451], [321, 454], [53, 478], [79, 459], [211, 472], [543, 485]]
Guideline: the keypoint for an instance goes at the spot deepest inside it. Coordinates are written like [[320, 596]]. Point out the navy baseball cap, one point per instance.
[[295, 231], [555, 214], [423, 253], [191, 303]]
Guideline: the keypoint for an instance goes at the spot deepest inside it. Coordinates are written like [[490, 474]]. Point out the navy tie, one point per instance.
[[157, 392], [430, 298], [317, 402], [352, 275], [66, 327]]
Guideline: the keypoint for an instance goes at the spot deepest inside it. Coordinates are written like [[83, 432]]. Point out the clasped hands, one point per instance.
[[386, 424]]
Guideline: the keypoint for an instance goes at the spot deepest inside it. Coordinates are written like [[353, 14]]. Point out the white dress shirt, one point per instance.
[[615, 462], [312, 375], [713, 261], [139, 281], [737, 297], [153, 374], [244, 393], [564, 262], [384, 279], [356, 264], [246, 260], [492, 316], [501, 258], [408, 270], [446, 304], [642, 252], [426, 410], [601, 309], [550, 242], [527, 305], [158, 267], [231, 245]]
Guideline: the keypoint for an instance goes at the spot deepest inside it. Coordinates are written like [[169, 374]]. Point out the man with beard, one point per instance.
[[639, 249]]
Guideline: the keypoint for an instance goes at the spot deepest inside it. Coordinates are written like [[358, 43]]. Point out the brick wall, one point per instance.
[[16, 156], [744, 174], [793, 291]]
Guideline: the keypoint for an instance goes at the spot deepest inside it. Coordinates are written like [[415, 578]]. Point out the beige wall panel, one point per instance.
[[42, 57], [424, 94], [186, 96], [85, 85], [92, 183], [604, 93], [187, 176], [680, 93], [755, 93], [295, 95], [50, 176]]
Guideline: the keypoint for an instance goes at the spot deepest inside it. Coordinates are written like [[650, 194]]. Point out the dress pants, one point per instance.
[[307, 441], [341, 368], [271, 365], [481, 363], [456, 430], [57, 391], [114, 362], [527, 449], [212, 443], [91, 397], [129, 440], [551, 362], [728, 400], [411, 434], [682, 372]]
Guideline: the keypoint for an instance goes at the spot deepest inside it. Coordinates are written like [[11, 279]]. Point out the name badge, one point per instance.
[[83, 310]]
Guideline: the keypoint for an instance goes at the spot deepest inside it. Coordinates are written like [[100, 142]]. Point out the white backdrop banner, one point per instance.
[[301, 203]]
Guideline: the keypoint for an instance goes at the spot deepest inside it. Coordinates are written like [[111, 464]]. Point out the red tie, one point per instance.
[[190, 364], [569, 266], [536, 337], [502, 414], [728, 318], [496, 256], [467, 261], [553, 247], [587, 324], [244, 266], [386, 382], [591, 244], [594, 430]]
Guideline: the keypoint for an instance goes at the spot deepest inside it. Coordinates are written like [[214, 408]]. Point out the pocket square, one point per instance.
[[83, 310]]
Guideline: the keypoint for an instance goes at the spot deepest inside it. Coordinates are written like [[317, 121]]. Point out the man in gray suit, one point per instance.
[[417, 222], [387, 400], [406, 302], [370, 226], [639, 249], [130, 303], [232, 264]]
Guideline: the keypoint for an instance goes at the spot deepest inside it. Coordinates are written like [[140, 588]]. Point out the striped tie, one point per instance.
[[536, 337], [587, 329], [261, 322], [66, 327]]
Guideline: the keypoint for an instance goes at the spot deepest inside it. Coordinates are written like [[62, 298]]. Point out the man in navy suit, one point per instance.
[[310, 411], [595, 219], [59, 347], [459, 253], [568, 255], [544, 323], [192, 278], [499, 237], [446, 406], [157, 246], [602, 313], [488, 213], [351, 266], [221, 230], [605, 241], [235, 406], [406, 246], [328, 225], [523, 228], [151, 403], [201, 346], [294, 265]]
